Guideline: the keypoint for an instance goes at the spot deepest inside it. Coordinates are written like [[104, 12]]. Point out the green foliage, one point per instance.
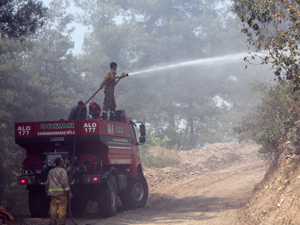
[[40, 78], [273, 26], [21, 17], [162, 140], [39, 81], [14, 197], [161, 161], [162, 32], [168, 138], [274, 123]]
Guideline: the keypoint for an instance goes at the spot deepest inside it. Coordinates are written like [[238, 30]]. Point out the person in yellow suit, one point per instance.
[[109, 99], [57, 187]]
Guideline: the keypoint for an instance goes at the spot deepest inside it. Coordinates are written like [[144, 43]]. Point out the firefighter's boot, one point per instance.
[[104, 116], [112, 116]]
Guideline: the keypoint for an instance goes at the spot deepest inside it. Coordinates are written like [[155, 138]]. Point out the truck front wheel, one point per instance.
[[136, 195], [38, 204], [107, 198]]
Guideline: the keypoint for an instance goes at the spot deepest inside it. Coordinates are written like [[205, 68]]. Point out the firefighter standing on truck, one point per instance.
[[109, 99], [75, 110], [57, 187]]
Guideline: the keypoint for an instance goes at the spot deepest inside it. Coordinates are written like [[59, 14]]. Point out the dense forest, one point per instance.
[[184, 107]]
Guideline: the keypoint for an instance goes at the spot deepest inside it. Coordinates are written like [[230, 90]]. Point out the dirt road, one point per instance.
[[210, 198]]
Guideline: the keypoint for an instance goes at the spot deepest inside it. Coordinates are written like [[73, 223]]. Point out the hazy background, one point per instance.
[[184, 107], [80, 30]]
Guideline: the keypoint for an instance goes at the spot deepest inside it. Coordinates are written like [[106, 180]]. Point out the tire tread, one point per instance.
[[127, 199], [104, 201]]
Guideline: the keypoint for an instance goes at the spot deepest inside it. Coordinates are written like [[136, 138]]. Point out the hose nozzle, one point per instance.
[[124, 74]]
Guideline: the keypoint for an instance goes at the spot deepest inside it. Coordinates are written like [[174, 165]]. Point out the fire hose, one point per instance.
[[76, 134]]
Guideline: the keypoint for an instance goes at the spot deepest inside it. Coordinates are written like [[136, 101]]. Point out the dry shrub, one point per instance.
[[160, 158], [275, 122]]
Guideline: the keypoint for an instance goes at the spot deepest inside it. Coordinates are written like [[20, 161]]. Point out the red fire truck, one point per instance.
[[106, 162]]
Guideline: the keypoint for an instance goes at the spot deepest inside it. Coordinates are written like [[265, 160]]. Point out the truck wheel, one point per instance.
[[78, 205], [107, 198], [136, 195], [38, 204]]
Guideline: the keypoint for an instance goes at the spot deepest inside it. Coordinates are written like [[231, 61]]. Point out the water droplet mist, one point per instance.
[[207, 61]]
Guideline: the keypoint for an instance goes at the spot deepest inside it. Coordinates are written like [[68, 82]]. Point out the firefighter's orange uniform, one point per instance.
[[109, 99], [58, 188]]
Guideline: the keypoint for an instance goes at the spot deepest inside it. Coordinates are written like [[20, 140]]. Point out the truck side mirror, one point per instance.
[[142, 140], [142, 130]]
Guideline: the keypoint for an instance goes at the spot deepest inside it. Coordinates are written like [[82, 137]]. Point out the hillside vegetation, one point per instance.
[[272, 26]]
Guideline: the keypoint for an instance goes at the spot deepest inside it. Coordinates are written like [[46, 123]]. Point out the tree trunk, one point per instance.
[[46, 100], [170, 106], [191, 124]]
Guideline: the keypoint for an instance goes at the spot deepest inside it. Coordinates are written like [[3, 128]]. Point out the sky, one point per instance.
[[78, 34]]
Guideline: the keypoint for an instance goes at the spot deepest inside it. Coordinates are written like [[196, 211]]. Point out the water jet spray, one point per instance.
[[212, 60]]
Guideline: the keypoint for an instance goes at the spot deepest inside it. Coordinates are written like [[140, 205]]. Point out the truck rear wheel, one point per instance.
[[38, 204], [136, 195], [107, 198]]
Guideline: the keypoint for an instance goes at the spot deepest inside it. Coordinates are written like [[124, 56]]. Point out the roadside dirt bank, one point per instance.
[[277, 197]]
